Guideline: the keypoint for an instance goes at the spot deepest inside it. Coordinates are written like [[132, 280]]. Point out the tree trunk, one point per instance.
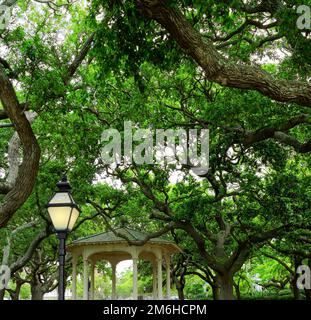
[[215, 292], [180, 290], [237, 290], [2, 292], [224, 287], [180, 285], [36, 292], [295, 290], [15, 295], [308, 294]]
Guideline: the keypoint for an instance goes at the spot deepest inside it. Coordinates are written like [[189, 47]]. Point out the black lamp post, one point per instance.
[[64, 213]]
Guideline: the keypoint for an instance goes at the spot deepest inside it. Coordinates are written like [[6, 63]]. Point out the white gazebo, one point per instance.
[[114, 247]]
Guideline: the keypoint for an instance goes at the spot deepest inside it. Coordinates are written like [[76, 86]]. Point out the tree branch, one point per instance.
[[216, 67], [72, 68], [31, 152], [19, 263]]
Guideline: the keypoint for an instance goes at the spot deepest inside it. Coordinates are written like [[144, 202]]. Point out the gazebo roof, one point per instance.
[[110, 237]]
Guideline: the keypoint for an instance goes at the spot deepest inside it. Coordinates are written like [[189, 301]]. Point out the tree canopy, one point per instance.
[[241, 69]]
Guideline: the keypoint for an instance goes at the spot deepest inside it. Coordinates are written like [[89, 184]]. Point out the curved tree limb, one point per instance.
[[19, 263], [216, 67], [31, 152], [7, 248]]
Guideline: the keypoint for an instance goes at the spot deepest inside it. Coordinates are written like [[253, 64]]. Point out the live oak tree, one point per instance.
[[226, 55], [179, 99], [240, 70], [225, 232]]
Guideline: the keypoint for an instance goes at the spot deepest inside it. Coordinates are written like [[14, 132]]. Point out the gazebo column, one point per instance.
[[154, 280], [159, 261], [134, 254], [85, 279], [135, 276], [114, 281], [74, 277], [168, 276], [92, 280]]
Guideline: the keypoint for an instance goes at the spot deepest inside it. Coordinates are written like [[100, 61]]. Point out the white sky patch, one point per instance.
[[176, 177], [123, 266]]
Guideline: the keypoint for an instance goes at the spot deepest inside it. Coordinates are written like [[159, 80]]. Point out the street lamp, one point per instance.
[[64, 213]]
